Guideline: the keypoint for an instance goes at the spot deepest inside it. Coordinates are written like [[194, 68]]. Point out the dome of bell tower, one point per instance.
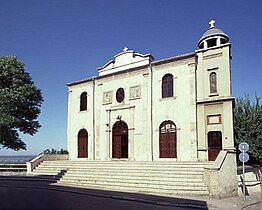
[[212, 37]]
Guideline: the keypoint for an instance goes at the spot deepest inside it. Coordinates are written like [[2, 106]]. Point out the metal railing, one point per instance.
[[12, 167]]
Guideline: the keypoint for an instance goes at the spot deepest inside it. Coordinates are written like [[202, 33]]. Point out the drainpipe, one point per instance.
[[109, 135], [151, 112], [69, 123], [196, 64], [94, 122]]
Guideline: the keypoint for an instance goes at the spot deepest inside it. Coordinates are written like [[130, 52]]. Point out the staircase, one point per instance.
[[183, 178]]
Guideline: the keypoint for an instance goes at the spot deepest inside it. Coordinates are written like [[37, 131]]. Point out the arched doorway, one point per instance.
[[167, 140], [120, 140], [214, 144], [82, 139]]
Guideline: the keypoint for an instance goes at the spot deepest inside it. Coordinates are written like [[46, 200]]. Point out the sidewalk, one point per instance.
[[252, 201]]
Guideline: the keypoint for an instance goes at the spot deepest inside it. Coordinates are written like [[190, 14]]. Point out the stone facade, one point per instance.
[[138, 109]]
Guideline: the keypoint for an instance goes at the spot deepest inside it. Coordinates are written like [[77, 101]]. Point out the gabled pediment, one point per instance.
[[125, 60]]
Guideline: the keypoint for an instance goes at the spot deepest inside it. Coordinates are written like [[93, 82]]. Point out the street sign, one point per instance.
[[243, 157], [243, 147]]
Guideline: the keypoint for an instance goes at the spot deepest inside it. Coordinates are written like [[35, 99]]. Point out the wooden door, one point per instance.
[[124, 146], [214, 144], [172, 145], [167, 145], [82, 144], [120, 140], [117, 147], [167, 140]]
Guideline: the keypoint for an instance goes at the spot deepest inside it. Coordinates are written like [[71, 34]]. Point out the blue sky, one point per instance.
[[61, 41]]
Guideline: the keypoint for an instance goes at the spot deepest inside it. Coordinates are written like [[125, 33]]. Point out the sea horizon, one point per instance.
[[16, 158]]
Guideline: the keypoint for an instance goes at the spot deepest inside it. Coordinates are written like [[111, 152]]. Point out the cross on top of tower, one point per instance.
[[212, 23], [125, 49]]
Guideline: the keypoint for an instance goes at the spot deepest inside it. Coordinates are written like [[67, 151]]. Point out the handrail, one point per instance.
[[218, 163]]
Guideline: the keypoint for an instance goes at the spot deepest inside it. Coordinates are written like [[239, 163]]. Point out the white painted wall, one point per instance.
[[188, 109]]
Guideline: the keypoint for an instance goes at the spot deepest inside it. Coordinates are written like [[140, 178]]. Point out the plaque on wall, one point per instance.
[[107, 97], [214, 119], [134, 92]]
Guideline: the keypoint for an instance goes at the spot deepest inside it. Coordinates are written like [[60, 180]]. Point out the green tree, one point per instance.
[[248, 125], [20, 102], [55, 152]]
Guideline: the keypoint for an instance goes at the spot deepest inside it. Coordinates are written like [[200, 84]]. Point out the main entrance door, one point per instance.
[[120, 140], [167, 140], [214, 144], [82, 144]]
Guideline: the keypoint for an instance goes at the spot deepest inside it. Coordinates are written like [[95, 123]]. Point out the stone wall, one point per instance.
[[221, 177]]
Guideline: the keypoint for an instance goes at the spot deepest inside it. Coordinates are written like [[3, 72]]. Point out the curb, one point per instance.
[[251, 204]]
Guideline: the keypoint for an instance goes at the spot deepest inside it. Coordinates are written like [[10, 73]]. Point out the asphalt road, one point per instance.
[[35, 195]]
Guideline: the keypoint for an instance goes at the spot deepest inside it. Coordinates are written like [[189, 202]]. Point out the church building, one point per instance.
[[141, 109]]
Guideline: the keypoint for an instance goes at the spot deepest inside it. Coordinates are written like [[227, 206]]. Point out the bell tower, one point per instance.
[[213, 75], [212, 37], [214, 100]]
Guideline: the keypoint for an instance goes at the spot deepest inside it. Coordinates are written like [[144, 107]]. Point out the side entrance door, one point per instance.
[[214, 144]]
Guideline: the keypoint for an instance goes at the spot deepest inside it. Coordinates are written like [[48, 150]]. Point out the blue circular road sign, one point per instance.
[[243, 147], [243, 157]]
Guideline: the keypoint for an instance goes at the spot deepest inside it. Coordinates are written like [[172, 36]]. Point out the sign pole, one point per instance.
[[244, 185], [243, 157]]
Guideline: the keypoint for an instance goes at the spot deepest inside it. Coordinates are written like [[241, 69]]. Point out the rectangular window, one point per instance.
[[213, 82]]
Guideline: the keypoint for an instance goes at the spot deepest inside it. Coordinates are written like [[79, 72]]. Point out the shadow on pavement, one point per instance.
[[42, 192]]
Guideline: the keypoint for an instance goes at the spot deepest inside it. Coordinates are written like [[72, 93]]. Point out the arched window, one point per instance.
[[213, 82], [167, 140], [167, 86], [83, 101]]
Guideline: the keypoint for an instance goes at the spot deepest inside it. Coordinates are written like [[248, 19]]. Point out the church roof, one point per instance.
[[158, 62], [213, 31]]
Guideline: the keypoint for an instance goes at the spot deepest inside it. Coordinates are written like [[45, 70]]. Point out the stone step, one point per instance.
[[134, 175], [40, 168], [151, 177], [138, 185], [128, 164], [85, 166], [148, 180], [132, 162], [57, 173], [127, 172], [141, 189], [43, 173], [123, 170], [135, 183]]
